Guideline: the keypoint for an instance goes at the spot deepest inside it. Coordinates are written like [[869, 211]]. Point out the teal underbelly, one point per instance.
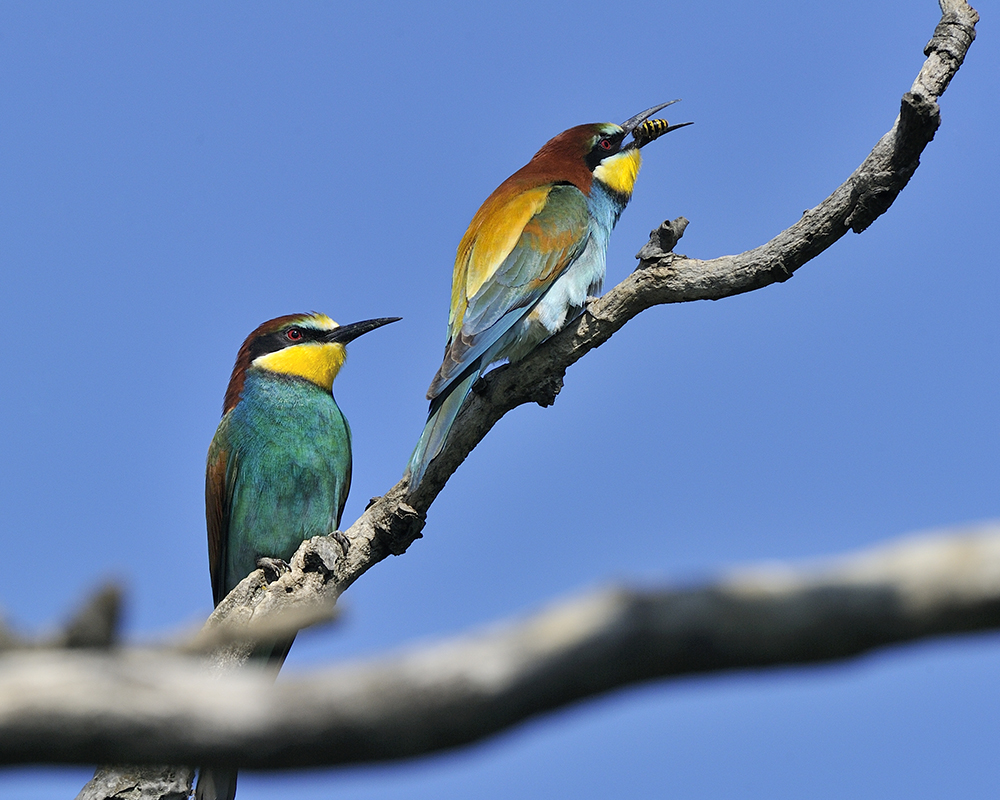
[[293, 464]]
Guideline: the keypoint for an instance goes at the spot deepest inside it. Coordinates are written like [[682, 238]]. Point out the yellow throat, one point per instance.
[[317, 362], [619, 171]]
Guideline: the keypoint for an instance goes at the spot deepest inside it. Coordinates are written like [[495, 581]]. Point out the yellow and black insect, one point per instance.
[[653, 129], [649, 130]]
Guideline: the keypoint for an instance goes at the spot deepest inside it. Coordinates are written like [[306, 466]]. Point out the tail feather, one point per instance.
[[220, 784], [444, 410], [216, 784]]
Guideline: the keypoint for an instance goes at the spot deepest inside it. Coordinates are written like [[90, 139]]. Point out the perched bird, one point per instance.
[[532, 255], [279, 466]]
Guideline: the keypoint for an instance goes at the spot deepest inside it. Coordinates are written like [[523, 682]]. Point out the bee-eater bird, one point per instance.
[[532, 255], [279, 466]]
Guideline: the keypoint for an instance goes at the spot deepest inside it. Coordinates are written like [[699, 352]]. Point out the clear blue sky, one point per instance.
[[174, 174]]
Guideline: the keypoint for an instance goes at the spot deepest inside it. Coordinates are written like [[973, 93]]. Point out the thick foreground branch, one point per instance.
[[396, 519], [79, 707]]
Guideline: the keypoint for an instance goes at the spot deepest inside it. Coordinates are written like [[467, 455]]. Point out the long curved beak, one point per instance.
[[643, 136], [348, 333], [632, 123]]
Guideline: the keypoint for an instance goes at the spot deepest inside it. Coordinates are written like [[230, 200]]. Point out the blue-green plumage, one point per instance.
[[288, 463], [279, 466]]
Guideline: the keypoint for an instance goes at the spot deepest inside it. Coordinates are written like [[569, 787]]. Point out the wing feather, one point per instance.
[[505, 264], [219, 481]]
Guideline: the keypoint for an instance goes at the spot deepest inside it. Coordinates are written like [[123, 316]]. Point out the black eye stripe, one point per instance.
[[279, 340], [606, 145]]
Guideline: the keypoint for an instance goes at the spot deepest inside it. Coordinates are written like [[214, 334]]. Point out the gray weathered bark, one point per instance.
[[396, 519], [60, 706]]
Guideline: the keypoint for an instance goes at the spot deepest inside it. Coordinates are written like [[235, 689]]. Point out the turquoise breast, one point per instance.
[[290, 449]]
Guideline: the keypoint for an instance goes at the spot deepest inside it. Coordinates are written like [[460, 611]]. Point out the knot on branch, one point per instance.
[[871, 194], [919, 119], [401, 529], [952, 36], [661, 242], [321, 555], [530, 385], [96, 624], [873, 191], [273, 568], [547, 389]]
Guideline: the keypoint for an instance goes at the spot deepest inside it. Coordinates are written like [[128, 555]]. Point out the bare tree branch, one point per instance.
[[322, 572], [142, 707], [663, 277], [394, 520], [139, 783]]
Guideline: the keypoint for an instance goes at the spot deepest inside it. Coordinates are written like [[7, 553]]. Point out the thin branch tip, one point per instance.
[[662, 241], [391, 523]]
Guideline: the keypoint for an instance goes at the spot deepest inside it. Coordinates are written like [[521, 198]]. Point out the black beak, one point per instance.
[[634, 122], [348, 333]]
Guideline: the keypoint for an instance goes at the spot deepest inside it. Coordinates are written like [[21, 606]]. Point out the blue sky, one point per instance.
[[175, 174]]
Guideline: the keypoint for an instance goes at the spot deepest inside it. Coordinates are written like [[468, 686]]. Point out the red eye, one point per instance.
[[293, 334], [606, 144]]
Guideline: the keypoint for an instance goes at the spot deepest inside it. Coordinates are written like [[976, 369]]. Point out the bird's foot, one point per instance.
[[479, 386], [273, 568], [343, 541]]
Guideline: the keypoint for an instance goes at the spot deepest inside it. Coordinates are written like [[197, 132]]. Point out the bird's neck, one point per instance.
[[618, 173], [611, 190], [316, 362]]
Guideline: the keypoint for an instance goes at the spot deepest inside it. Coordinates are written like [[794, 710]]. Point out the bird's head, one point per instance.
[[599, 150], [310, 346]]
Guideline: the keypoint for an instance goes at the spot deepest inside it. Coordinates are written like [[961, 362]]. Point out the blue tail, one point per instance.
[[220, 784], [444, 409]]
